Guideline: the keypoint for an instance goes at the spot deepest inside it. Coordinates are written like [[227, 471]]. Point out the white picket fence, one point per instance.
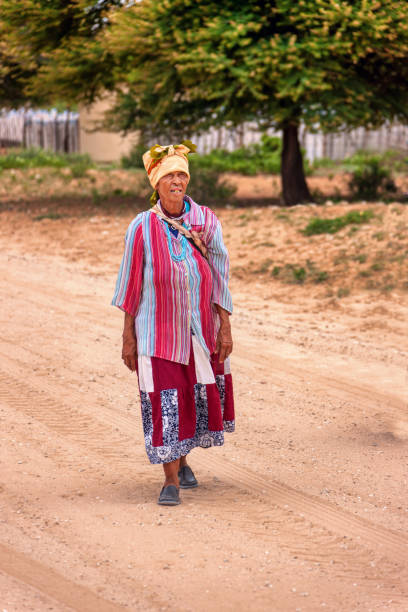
[[317, 145], [60, 132], [50, 130]]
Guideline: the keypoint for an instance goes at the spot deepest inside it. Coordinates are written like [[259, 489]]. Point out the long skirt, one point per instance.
[[184, 406]]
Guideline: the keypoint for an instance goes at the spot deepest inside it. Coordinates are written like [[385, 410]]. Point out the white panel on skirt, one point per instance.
[[204, 371], [227, 366], [145, 373]]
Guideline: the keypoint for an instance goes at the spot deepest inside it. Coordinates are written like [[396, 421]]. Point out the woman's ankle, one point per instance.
[[171, 481]]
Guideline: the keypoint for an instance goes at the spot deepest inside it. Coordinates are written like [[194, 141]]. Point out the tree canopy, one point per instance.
[[52, 50], [180, 66], [327, 63]]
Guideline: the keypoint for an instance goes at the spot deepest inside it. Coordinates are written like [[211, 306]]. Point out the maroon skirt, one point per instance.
[[184, 406]]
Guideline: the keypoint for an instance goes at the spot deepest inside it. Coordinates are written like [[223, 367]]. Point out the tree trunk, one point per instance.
[[294, 186]]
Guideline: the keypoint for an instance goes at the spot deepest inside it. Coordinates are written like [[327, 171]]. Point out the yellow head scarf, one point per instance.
[[162, 160]]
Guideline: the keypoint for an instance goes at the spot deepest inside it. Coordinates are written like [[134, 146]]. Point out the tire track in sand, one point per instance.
[[281, 372], [96, 436], [80, 427], [48, 581], [313, 529]]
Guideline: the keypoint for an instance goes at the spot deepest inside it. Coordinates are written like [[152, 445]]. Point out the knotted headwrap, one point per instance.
[[160, 161]]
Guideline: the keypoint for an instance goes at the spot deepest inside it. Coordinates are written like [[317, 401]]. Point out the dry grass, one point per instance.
[[266, 244]]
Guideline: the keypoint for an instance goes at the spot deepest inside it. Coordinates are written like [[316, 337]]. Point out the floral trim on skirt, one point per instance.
[[184, 406]]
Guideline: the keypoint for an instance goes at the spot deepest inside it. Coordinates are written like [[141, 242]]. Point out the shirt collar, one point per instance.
[[195, 215]]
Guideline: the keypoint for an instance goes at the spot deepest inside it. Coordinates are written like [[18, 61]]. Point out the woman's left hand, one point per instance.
[[224, 342]]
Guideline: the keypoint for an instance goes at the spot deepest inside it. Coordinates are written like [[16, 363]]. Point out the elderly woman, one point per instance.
[[173, 288]]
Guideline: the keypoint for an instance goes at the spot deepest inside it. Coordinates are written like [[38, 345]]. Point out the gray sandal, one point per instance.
[[169, 496], [187, 478]]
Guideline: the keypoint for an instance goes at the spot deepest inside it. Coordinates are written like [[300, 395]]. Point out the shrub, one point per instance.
[[317, 275], [393, 160], [299, 274], [321, 276], [256, 158], [79, 169], [331, 226], [370, 178], [37, 158], [291, 273]]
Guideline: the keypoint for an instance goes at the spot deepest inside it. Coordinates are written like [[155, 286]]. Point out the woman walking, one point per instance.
[[173, 288]]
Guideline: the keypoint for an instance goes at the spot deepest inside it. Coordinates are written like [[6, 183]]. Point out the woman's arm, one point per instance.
[[219, 263], [129, 347], [224, 337], [221, 298], [128, 289], [129, 282]]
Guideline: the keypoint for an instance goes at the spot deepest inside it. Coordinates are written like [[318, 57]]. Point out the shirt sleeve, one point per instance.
[[218, 259], [129, 282]]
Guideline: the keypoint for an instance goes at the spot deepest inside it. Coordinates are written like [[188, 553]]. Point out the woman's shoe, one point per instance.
[[169, 496], [187, 478]]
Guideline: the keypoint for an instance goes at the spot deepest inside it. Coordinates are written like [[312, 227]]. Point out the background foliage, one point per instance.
[[329, 64], [177, 67], [184, 65]]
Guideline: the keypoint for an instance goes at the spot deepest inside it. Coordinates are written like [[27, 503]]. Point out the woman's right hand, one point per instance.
[[129, 348], [129, 352]]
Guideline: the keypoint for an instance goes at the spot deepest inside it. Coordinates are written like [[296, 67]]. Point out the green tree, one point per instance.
[[50, 50], [330, 64], [12, 76], [180, 66]]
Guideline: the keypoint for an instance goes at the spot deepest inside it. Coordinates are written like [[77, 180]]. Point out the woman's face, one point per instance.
[[172, 187]]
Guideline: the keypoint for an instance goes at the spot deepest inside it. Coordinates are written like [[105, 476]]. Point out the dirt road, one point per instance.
[[304, 508]]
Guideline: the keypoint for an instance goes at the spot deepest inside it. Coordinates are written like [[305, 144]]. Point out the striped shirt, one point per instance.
[[169, 287]]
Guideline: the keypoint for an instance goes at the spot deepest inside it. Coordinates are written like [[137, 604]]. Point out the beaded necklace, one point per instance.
[[183, 243], [183, 240]]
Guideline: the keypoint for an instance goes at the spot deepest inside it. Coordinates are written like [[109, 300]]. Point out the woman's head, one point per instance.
[[167, 169], [172, 187]]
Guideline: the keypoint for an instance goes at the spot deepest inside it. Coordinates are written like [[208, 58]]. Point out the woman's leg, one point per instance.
[[187, 480], [171, 473], [171, 470]]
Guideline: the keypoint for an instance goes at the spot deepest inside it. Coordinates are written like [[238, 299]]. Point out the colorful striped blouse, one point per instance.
[[169, 287]]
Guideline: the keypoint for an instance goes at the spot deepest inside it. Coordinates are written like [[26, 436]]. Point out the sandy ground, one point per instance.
[[304, 508]]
